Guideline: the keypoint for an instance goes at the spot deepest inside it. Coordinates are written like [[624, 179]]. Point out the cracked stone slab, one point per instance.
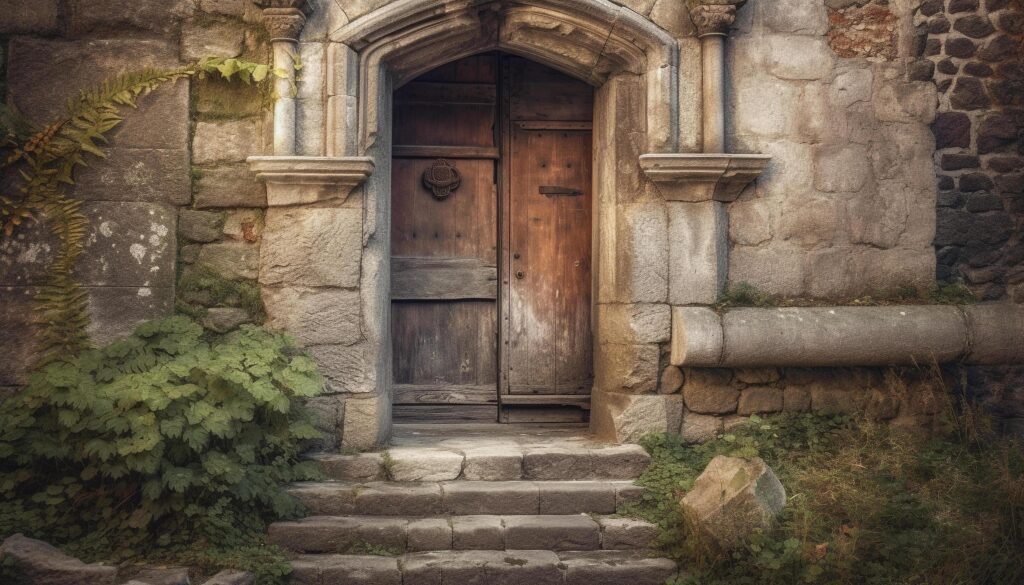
[[407, 464]]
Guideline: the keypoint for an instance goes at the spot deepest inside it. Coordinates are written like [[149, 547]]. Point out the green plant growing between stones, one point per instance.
[[170, 444], [202, 285], [44, 161]]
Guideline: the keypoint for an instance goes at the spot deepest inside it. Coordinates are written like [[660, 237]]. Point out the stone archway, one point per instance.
[[325, 266]]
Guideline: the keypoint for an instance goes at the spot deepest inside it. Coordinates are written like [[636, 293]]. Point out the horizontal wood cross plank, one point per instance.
[[442, 279], [578, 400], [433, 93], [456, 152], [413, 394]]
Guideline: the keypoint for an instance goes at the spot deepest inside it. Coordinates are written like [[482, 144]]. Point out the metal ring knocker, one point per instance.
[[442, 178]]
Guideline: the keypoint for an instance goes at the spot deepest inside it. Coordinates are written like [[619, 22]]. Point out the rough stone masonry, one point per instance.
[[893, 129]]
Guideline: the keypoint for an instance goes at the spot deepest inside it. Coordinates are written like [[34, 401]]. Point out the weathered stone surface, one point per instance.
[[229, 186], [627, 368], [699, 428], [555, 462], [492, 464], [969, 94], [795, 57], [232, 260], [315, 316], [906, 102], [116, 311], [576, 497], [228, 141], [839, 169], [672, 379], [635, 323], [626, 534], [347, 368], [16, 334], [348, 569], [30, 17], [534, 567], [211, 39], [421, 464], [367, 420], [110, 18], [230, 577], [359, 467], [614, 567], [398, 499], [554, 533], [698, 250], [732, 498], [140, 175], [425, 534], [163, 576], [129, 244], [488, 497], [43, 74], [338, 534], [795, 16], [477, 533], [199, 226], [42, 564], [224, 319], [796, 399], [312, 247], [757, 376], [626, 418], [759, 399], [619, 462], [710, 391]]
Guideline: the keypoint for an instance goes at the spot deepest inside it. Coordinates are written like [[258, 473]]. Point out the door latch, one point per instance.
[[552, 191]]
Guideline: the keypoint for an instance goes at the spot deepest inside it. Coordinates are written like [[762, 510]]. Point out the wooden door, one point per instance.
[[444, 245], [491, 176], [548, 370]]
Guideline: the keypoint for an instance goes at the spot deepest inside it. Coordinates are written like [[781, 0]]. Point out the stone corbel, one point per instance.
[[300, 180], [702, 177]]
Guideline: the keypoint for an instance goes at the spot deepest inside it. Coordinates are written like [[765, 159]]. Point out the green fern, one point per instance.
[[46, 161]]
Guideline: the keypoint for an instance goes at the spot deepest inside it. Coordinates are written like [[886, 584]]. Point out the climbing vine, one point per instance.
[[41, 163]]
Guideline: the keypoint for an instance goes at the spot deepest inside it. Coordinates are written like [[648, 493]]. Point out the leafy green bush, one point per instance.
[[867, 505], [165, 440]]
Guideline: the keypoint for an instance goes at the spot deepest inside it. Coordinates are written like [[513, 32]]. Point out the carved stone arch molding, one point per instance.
[[660, 225]]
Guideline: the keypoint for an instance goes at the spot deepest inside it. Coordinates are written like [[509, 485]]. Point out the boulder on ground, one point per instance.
[[733, 498], [39, 563], [229, 577]]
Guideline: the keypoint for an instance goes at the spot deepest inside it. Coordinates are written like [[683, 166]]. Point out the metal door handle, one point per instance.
[[551, 191]]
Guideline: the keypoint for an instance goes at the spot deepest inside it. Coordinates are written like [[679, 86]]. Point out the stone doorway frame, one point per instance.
[[646, 111]]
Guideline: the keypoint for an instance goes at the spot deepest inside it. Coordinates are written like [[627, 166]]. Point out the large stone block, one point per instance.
[[17, 334], [133, 174], [116, 311], [774, 269], [627, 368], [367, 422], [790, 57], [129, 244], [39, 17], [750, 222], [792, 16], [229, 186], [232, 260], [841, 168], [312, 247], [43, 74], [700, 428], [626, 418], [851, 86], [639, 323], [811, 222], [41, 564], [112, 18], [200, 39], [643, 255], [915, 101], [698, 251], [765, 107], [229, 141], [348, 368], [315, 316], [710, 391]]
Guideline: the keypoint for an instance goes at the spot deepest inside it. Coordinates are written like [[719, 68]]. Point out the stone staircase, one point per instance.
[[505, 505]]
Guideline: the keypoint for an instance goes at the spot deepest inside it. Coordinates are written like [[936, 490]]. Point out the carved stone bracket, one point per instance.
[[702, 177], [299, 180], [714, 17], [284, 19]]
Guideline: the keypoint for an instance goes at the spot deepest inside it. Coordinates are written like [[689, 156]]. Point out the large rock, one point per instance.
[[733, 498], [41, 564]]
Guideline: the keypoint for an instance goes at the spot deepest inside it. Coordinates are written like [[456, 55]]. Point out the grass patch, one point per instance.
[[744, 294], [868, 504]]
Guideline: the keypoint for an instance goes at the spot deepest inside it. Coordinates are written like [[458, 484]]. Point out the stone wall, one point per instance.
[[833, 94]]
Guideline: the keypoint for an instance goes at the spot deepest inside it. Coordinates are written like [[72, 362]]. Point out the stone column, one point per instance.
[[284, 20], [712, 22]]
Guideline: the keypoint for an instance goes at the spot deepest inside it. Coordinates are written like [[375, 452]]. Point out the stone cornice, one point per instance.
[[284, 19], [702, 177], [300, 180]]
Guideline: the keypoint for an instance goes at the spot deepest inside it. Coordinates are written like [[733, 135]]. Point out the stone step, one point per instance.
[[489, 461], [514, 567], [383, 498], [346, 534]]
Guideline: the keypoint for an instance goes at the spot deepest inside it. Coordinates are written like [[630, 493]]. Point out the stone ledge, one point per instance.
[[299, 180], [989, 333], [702, 177]]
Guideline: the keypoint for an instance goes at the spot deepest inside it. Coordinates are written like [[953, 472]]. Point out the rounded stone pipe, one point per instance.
[[848, 336]]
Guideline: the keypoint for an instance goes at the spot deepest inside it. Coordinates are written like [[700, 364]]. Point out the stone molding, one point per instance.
[[299, 180], [702, 176], [284, 19], [988, 333], [713, 19]]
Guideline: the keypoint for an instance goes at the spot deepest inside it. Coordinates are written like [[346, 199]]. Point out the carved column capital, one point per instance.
[[713, 19], [284, 19]]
